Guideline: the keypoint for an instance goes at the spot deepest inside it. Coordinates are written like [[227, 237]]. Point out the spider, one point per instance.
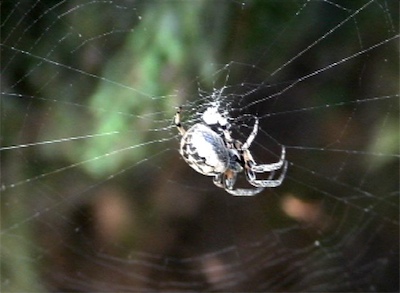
[[218, 154]]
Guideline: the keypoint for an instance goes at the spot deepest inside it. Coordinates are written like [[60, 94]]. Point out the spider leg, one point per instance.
[[177, 121], [264, 167], [228, 181], [268, 182], [245, 191], [218, 180], [251, 137]]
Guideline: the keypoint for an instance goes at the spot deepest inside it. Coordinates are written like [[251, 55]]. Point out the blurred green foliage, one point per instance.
[[98, 67], [165, 47]]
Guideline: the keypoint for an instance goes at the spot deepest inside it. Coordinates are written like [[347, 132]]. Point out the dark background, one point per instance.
[[121, 211]]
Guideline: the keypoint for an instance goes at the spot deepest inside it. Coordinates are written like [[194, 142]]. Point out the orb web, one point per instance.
[[95, 196]]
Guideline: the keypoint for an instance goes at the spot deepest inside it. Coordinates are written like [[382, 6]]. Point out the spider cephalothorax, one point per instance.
[[221, 156]]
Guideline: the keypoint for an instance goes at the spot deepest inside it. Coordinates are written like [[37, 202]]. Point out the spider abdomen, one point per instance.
[[204, 150]]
